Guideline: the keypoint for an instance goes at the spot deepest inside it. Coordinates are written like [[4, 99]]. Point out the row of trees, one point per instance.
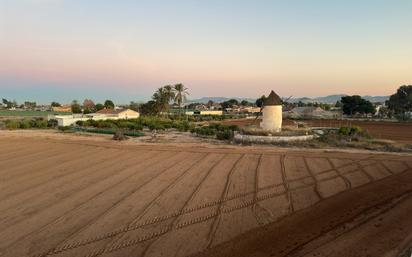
[[13, 104], [232, 102], [399, 104], [89, 106]]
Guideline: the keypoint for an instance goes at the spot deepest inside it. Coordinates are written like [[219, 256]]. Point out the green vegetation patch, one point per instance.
[[34, 123], [220, 131], [10, 113], [152, 123], [103, 131]]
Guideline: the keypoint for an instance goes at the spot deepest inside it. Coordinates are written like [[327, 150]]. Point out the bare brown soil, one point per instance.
[[396, 131], [376, 224], [69, 195]]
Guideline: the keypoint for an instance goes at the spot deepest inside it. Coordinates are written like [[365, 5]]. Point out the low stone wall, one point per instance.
[[269, 139]]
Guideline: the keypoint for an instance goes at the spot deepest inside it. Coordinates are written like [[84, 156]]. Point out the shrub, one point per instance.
[[205, 131], [350, 131], [136, 126], [125, 124], [224, 135], [64, 128], [182, 125], [12, 124], [81, 123], [356, 130], [52, 123], [25, 124], [41, 124], [119, 135], [355, 133], [344, 131], [222, 132], [155, 126]]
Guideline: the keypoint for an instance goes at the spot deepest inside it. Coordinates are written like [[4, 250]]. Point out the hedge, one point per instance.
[[108, 131]]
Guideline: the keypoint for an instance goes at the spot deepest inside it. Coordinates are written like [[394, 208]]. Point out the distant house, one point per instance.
[[104, 114], [63, 108], [119, 113], [205, 112], [201, 107], [233, 109], [250, 109]]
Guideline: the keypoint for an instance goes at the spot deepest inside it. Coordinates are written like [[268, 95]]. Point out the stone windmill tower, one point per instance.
[[272, 113]]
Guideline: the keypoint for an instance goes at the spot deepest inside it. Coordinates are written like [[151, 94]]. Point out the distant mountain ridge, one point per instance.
[[330, 99], [219, 99]]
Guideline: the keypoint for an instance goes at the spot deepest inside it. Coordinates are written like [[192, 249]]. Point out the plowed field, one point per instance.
[[88, 198]]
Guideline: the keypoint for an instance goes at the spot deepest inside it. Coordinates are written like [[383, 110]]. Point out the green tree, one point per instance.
[[338, 104], [149, 108], [30, 105], [108, 104], [162, 98], [400, 103], [55, 104], [76, 108], [99, 107], [193, 105], [260, 101], [350, 104], [134, 106], [169, 95], [9, 104], [356, 104], [159, 100], [230, 103], [245, 103], [366, 107], [181, 93]]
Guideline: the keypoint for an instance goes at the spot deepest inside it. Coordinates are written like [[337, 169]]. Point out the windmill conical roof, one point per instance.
[[273, 99]]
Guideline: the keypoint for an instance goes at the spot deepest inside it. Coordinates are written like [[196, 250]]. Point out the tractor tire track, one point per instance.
[[126, 228], [216, 221]]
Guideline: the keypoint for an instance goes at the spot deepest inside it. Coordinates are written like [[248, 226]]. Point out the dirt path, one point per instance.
[[86, 197]]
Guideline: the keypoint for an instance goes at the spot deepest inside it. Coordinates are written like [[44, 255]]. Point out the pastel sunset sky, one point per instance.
[[124, 49]]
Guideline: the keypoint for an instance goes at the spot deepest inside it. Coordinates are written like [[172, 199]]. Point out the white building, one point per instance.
[[205, 112], [105, 114], [272, 113]]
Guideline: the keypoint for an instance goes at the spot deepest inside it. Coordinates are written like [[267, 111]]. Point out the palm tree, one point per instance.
[[158, 98], [162, 97], [169, 93], [180, 95]]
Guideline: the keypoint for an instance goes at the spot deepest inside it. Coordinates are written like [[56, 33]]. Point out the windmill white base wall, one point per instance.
[[272, 118]]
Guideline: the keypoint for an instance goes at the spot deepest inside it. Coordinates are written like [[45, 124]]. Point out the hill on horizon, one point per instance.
[[330, 99]]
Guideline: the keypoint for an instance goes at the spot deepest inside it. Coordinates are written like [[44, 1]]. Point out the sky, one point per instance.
[[123, 50]]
